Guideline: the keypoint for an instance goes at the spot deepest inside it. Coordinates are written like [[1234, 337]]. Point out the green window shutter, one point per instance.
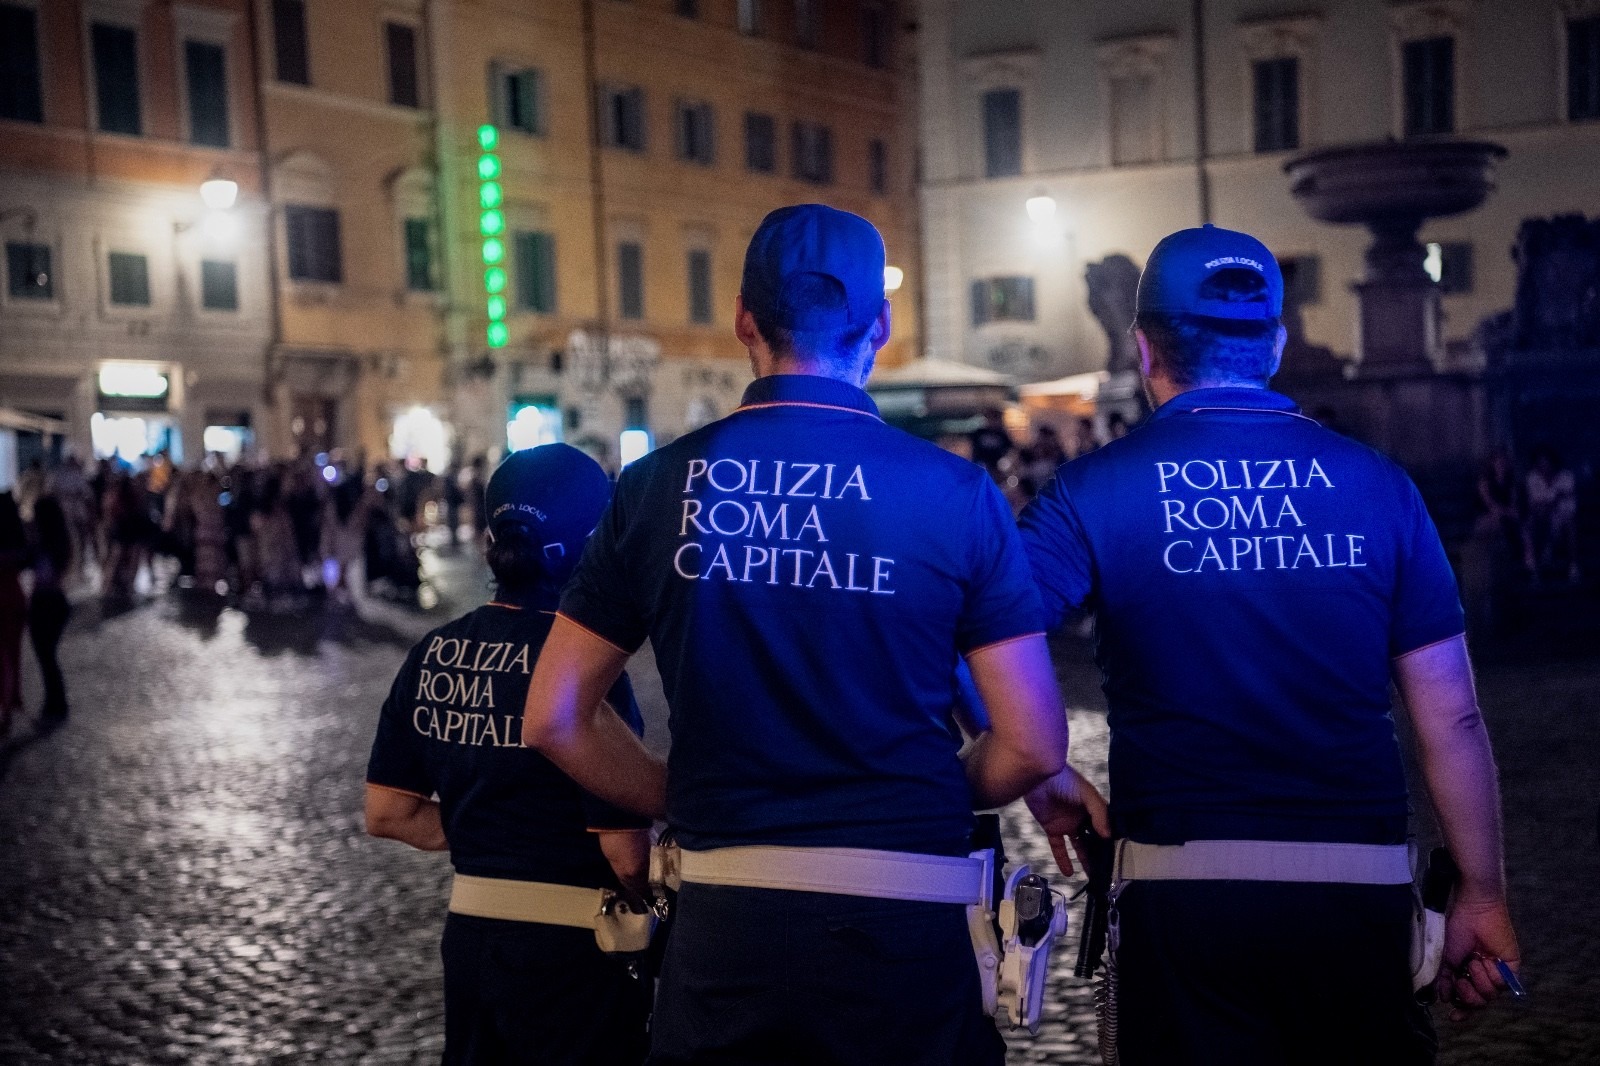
[[116, 77], [419, 256], [208, 93], [130, 279], [536, 273], [219, 285]]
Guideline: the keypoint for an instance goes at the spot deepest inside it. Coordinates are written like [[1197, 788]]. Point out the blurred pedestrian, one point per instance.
[[991, 443], [49, 611], [345, 514], [1552, 522], [13, 607], [535, 858], [1040, 459], [1084, 440], [1500, 510]]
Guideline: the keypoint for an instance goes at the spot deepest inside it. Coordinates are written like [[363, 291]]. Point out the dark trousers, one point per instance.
[[47, 620], [760, 976], [1244, 973], [518, 993]]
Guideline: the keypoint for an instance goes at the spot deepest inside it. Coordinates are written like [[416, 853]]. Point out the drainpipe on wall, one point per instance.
[[274, 294], [1201, 136], [451, 339], [597, 189]]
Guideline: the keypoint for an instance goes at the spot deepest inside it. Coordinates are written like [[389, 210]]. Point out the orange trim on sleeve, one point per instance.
[[592, 633], [1425, 647], [999, 643], [400, 791]]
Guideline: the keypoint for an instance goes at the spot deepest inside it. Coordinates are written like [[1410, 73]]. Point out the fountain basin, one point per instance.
[[1398, 181]]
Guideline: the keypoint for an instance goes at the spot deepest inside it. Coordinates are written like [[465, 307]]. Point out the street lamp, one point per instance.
[[893, 278], [1041, 209], [219, 194]]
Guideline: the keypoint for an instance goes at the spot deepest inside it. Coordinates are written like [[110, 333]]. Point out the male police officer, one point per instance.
[[1257, 580], [808, 576], [524, 979]]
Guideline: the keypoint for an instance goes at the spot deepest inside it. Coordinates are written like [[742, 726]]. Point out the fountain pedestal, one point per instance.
[[1391, 188]]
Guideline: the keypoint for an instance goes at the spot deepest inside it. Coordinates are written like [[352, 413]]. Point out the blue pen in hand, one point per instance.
[[1513, 985]]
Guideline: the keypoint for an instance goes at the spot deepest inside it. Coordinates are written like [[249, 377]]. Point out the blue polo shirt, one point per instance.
[[452, 725], [1252, 576], [807, 576]]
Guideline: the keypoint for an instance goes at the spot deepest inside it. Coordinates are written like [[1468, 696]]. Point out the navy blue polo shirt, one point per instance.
[[452, 725], [807, 576], [1252, 575]]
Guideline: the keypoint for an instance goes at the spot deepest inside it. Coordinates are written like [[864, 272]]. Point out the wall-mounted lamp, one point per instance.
[[219, 194], [1041, 209], [893, 278]]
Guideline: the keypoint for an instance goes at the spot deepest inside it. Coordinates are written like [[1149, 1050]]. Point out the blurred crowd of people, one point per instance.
[[1533, 516], [1022, 470]]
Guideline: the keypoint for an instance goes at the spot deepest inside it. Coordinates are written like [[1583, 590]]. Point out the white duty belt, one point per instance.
[[1264, 860], [617, 928], [840, 872]]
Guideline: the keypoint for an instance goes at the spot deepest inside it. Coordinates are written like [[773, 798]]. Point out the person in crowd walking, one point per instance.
[[49, 610], [13, 607], [1552, 522]]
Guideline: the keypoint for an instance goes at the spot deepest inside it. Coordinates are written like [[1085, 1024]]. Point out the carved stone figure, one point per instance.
[[1113, 285]]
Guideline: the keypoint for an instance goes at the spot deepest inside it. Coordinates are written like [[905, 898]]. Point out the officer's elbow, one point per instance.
[[545, 730], [1045, 762]]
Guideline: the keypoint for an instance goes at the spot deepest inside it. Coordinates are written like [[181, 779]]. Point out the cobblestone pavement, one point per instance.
[[183, 876]]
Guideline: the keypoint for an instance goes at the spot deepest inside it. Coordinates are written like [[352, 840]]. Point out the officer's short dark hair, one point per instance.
[[1192, 348], [834, 346], [516, 560]]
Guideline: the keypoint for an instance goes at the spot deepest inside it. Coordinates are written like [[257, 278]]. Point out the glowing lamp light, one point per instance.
[[497, 308], [497, 335], [488, 137], [893, 278], [492, 223], [494, 280], [133, 381], [488, 167], [494, 250], [1041, 209], [219, 194], [633, 444], [490, 195]]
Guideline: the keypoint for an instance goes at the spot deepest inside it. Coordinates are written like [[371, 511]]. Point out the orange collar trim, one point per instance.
[[803, 403]]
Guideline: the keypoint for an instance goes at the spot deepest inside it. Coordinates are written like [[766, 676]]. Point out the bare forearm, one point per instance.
[[603, 756], [1462, 783], [997, 776], [422, 828]]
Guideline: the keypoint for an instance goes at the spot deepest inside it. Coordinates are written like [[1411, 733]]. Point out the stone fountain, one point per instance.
[[1392, 187]]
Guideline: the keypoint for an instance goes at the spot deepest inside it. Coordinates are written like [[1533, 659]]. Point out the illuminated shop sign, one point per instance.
[[132, 381], [492, 228]]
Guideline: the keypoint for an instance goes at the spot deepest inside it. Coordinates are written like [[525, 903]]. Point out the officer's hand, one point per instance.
[[1476, 932], [1061, 805]]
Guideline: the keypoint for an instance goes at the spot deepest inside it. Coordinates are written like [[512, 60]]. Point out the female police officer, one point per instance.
[[524, 978]]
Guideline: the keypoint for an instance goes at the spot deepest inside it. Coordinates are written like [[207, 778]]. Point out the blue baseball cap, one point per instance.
[[1181, 264], [555, 492], [813, 239]]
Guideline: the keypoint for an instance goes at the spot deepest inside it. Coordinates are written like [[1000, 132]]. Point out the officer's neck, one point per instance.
[[765, 364], [1162, 388]]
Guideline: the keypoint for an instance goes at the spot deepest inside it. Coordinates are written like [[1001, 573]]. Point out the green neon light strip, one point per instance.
[[491, 224]]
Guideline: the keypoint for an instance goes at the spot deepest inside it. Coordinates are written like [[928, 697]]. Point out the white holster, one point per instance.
[[1025, 967], [1427, 946]]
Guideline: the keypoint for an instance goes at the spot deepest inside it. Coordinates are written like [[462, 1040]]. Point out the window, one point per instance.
[[760, 143], [1583, 69], [219, 285], [699, 264], [1277, 98], [419, 255], [807, 32], [206, 67], [405, 87], [289, 38], [1450, 265], [20, 95], [313, 240], [750, 17], [28, 274], [1002, 133], [813, 153], [878, 166], [1428, 69], [696, 133], [116, 77], [630, 279], [1002, 300], [688, 9], [622, 118], [536, 272], [1134, 124], [522, 101], [875, 35], [1302, 279], [130, 279]]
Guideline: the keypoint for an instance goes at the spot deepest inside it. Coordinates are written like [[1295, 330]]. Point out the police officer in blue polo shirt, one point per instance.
[[808, 577], [1257, 581], [536, 859]]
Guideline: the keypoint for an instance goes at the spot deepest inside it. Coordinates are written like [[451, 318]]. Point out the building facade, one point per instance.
[[133, 310], [1058, 138], [639, 144]]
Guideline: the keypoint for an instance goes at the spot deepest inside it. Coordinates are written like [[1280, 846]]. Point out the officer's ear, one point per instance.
[[1278, 344], [882, 327], [1143, 343]]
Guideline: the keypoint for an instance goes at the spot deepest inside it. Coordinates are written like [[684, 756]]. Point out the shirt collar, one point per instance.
[[1227, 398], [807, 390]]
